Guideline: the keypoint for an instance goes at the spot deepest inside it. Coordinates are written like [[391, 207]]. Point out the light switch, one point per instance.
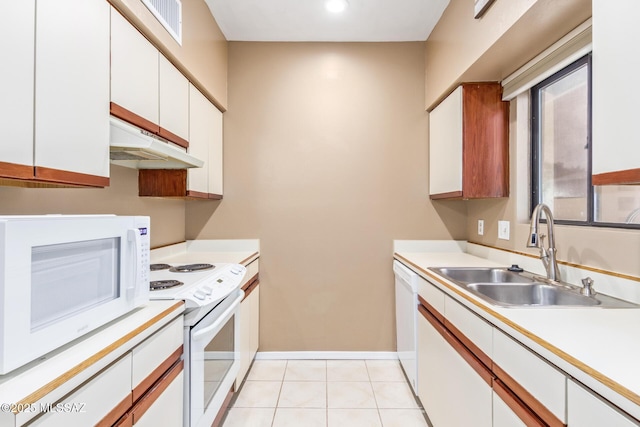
[[480, 227], [503, 230]]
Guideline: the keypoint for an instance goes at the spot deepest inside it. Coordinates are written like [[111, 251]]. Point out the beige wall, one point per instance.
[[120, 198], [326, 163], [510, 33], [203, 54]]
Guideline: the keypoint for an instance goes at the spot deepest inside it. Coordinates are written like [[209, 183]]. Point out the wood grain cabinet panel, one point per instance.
[[616, 143], [469, 144]]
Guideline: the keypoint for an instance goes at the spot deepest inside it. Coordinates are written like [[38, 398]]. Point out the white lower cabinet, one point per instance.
[[94, 400], [586, 409], [503, 415], [452, 392], [249, 336]]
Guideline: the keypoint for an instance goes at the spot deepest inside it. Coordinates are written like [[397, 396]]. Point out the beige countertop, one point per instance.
[[596, 346]]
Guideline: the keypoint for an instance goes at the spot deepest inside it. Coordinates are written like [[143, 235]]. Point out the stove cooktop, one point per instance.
[[205, 285]]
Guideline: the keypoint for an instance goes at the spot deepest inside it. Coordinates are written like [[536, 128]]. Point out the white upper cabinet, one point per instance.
[[17, 41], [616, 142], [72, 90], [134, 73], [469, 144], [174, 102], [205, 132]]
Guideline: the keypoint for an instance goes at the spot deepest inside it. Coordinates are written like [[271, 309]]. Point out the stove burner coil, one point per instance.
[[157, 285], [188, 268], [157, 267]]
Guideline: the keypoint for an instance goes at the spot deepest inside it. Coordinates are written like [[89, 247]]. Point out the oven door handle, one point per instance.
[[197, 336]]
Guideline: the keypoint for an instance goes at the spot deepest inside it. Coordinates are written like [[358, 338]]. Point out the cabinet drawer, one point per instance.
[[94, 400], [431, 294], [153, 352], [588, 410], [538, 384], [478, 334]]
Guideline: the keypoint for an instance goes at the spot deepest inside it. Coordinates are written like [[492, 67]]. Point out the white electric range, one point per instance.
[[212, 295]]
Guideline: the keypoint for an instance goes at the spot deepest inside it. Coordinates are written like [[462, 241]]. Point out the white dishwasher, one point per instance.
[[406, 321]]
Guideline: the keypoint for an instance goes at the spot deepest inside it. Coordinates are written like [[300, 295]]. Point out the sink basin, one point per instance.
[[482, 275], [504, 288], [530, 294]]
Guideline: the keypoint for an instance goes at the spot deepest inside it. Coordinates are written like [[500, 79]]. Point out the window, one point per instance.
[[561, 155]]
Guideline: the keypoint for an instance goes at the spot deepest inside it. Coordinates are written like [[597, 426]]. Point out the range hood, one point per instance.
[[136, 148]]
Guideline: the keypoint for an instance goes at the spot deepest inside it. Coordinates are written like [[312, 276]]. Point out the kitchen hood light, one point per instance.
[[336, 6]]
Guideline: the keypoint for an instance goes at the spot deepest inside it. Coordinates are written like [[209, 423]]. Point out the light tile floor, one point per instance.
[[325, 393]]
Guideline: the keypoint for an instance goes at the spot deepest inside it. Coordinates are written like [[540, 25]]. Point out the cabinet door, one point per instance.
[[17, 40], [94, 400], [455, 394], [163, 405], [536, 382], [587, 410], [215, 160], [134, 75], [244, 340], [616, 145], [205, 142], [445, 145], [174, 103], [72, 90]]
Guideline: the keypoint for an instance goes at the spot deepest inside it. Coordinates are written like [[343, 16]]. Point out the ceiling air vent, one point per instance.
[[169, 13]]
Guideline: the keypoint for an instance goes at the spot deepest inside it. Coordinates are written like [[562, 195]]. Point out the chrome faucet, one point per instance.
[[536, 240]]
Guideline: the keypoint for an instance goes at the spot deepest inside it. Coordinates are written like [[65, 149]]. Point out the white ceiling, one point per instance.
[[307, 20]]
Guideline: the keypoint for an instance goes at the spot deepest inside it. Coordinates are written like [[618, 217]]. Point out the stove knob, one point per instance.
[[236, 270], [200, 295], [207, 289]]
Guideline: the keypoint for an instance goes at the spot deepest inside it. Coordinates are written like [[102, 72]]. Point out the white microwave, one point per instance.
[[62, 276]]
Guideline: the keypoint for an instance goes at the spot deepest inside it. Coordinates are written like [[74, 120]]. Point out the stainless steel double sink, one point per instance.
[[505, 288]]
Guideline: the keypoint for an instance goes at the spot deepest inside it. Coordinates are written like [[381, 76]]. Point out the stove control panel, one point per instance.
[[215, 288]]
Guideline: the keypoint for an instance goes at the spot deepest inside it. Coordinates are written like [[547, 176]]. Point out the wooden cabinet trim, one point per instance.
[[157, 373], [431, 309], [197, 194], [482, 356], [527, 398], [170, 136], [223, 409], [131, 117], [451, 195], [523, 412], [623, 177], [149, 398], [116, 413], [73, 178], [250, 286], [126, 421], [464, 352], [14, 170]]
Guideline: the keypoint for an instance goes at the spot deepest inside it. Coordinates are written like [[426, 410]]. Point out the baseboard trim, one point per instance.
[[327, 355]]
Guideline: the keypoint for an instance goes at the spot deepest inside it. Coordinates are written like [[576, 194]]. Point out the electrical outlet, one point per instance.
[[503, 230], [480, 227]]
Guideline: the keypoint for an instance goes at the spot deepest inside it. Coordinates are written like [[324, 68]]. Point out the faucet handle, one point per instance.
[[587, 289]]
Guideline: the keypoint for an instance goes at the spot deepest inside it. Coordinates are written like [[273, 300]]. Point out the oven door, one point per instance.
[[213, 360]]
